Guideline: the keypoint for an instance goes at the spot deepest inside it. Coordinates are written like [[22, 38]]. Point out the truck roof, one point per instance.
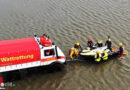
[[19, 51], [17, 44]]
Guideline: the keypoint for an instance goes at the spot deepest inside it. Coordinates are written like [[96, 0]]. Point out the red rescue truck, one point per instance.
[[28, 52]]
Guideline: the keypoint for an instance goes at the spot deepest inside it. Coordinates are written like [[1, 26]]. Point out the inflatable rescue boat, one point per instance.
[[88, 54]]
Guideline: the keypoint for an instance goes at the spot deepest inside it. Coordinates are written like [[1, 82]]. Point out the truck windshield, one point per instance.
[[49, 52]]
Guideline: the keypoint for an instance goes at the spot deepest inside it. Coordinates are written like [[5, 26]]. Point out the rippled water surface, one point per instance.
[[66, 22]]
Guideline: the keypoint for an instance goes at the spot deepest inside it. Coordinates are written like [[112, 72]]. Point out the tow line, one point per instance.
[[70, 60]]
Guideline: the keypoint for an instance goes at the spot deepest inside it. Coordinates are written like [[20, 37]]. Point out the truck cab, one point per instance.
[[50, 53]]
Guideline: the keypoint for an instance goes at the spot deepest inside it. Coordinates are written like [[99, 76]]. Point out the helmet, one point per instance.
[[100, 41], [104, 51], [90, 39], [120, 44], [109, 39], [77, 44], [98, 52]]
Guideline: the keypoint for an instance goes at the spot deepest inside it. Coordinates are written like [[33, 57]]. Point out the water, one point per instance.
[[66, 22]]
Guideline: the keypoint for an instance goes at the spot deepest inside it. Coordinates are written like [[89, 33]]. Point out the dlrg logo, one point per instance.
[[2, 85]]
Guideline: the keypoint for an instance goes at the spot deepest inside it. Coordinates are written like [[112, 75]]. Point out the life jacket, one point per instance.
[[74, 51], [98, 57], [105, 56], [42, 39], [45, 41]]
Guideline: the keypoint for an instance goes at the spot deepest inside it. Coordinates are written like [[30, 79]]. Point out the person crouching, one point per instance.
[[105, 56], [98, 56]]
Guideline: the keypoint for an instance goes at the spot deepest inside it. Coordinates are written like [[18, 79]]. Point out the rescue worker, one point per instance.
[[121, 50], [47, 53], [99, 44], [90, 43], [108, 43], [105, 55], [78, 46], [49, 41], [44, 36], [98, 56], [74, 52], [77, 53]]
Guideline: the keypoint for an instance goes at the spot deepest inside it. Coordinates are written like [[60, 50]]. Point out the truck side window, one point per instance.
[[49, 52]]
